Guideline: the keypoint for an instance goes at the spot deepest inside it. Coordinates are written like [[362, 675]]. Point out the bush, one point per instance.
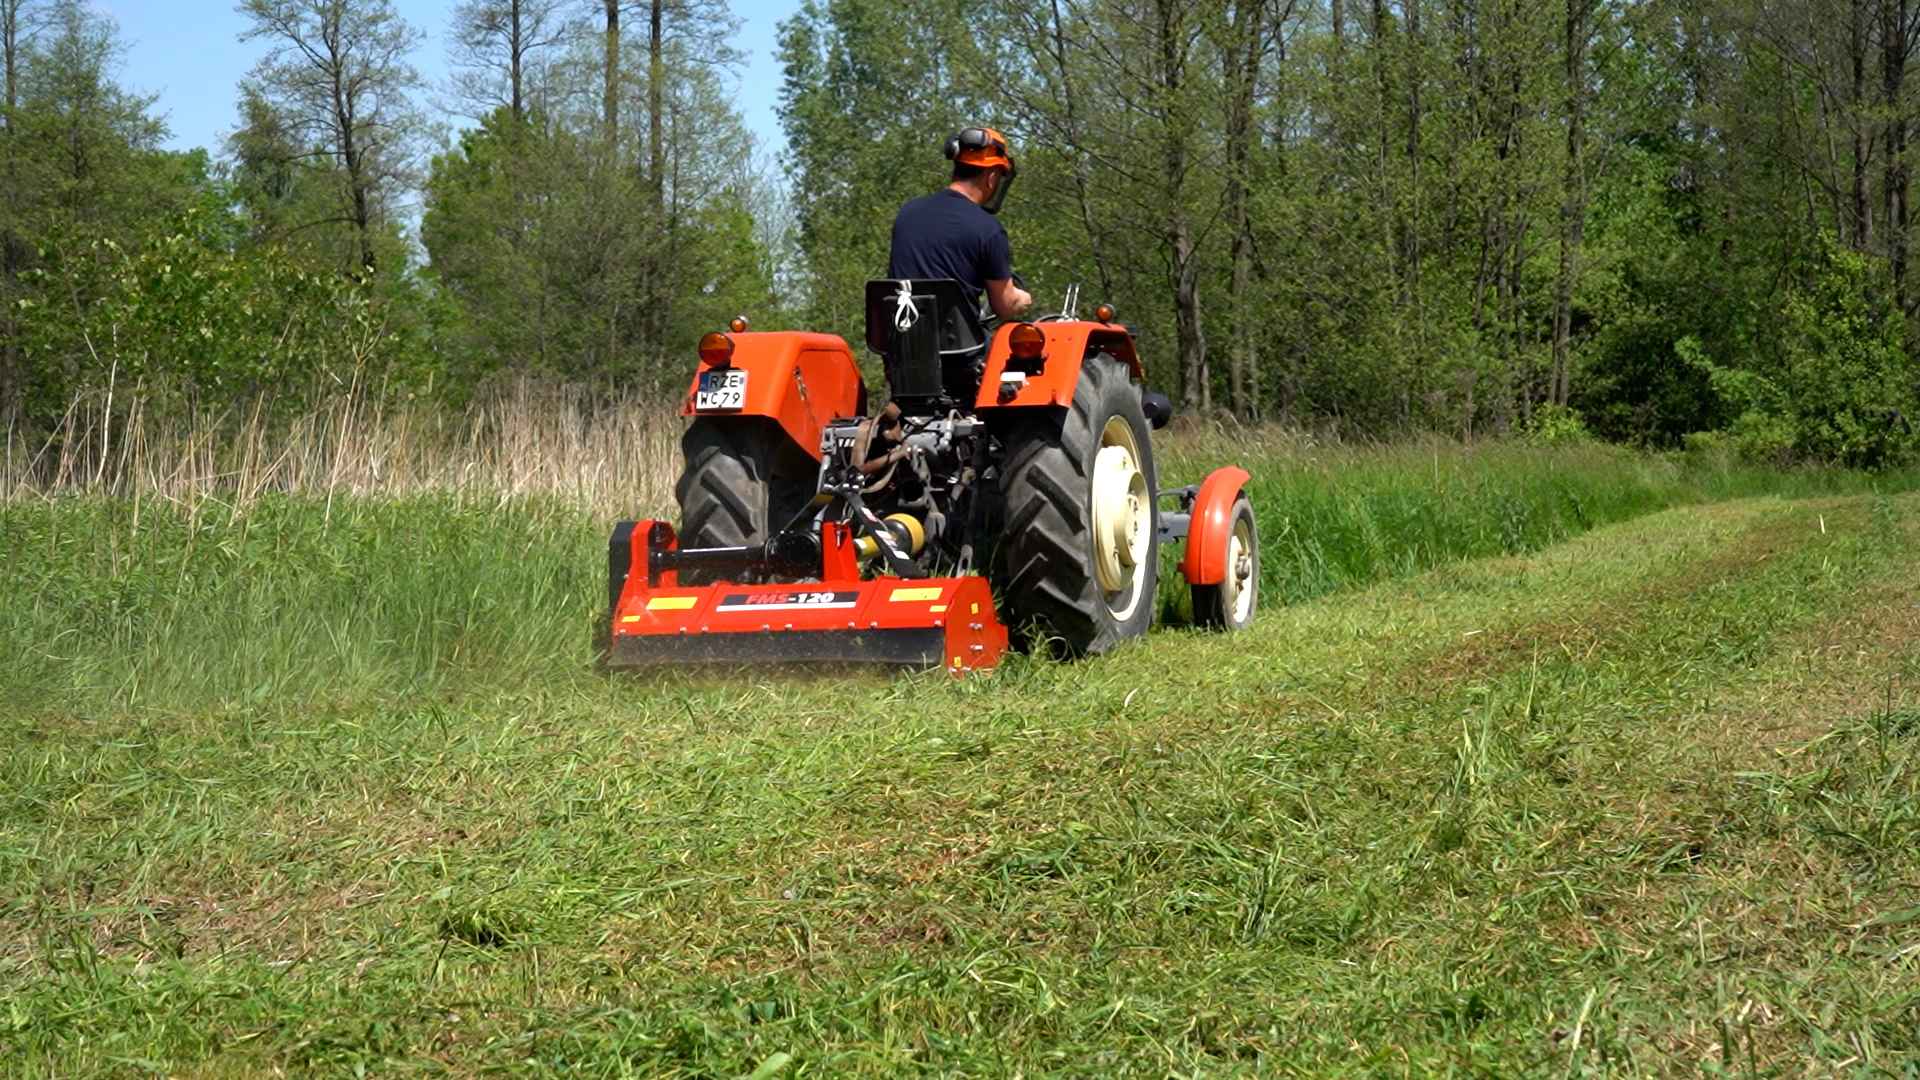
[[1835, 386], [1556, 425], [187, 319]]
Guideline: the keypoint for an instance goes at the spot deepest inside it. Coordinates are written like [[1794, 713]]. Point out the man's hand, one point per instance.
[[1009, 301]]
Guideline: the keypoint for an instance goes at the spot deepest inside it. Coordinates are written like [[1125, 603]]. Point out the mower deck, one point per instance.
[[928, 622]]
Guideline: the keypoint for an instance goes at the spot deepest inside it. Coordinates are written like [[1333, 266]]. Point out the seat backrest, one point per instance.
[[922, 328]]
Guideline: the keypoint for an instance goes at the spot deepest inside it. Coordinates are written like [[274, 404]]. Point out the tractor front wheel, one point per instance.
[[1229, 605], [1080, 553], [743, 479]]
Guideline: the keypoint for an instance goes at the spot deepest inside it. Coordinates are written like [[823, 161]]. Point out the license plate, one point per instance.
[[723, 389]]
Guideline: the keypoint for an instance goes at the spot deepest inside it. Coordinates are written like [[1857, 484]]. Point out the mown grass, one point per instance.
[[1642, 802]]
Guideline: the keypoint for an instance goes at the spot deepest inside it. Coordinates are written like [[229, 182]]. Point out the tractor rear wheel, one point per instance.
[[743, 479], [1079, 558]]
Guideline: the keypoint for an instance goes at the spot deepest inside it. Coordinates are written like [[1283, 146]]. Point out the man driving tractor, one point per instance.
[[1005, 494], [953, 233]]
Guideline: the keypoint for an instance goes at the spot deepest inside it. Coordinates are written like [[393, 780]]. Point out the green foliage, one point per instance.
[[1555, 425], [1834, 382], [1653, 282], [182, 320], [517, 232], [558, 260], [1386, 222]]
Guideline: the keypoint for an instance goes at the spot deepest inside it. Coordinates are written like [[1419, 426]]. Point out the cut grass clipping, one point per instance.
[[335, 789]]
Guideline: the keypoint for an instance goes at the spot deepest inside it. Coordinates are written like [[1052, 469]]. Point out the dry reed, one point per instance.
[[609, 455]]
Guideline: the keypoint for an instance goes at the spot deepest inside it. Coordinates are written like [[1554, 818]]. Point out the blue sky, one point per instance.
[[188, 52]]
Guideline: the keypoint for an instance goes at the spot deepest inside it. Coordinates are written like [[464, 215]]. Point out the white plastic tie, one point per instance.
[[905, 313]]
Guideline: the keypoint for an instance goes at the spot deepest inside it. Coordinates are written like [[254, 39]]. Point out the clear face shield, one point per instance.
[[1002, 181]]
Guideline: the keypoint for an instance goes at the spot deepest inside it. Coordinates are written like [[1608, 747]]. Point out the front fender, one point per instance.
[[1205, 561]]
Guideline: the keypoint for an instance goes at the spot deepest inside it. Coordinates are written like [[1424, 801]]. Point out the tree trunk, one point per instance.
[[1893, 75], [345, 117], [516, 49], [662, 254], [362, 207], [656, 96], [1411, 254], [11, 375], [1243, 66], [1862, 147], [1082, 183], [610, 89], [1573, 198], [1519, 364], [10, 15], [1383, 106], [1195, 389]]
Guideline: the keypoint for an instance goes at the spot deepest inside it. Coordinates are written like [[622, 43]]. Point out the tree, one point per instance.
[[85, 181], [690, 35], [495, 50], [570, 254], [1573, 191], [338, 77], [19, 22]]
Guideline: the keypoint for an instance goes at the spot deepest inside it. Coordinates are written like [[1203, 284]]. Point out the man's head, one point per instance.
[[982, 166]]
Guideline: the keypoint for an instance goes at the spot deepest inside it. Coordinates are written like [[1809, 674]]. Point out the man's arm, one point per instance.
[[1009, 301]]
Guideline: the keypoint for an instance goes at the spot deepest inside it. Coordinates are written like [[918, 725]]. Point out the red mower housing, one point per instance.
[[931, 622]]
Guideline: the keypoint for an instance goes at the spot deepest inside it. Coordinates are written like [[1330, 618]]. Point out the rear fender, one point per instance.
[[799, 380], [1069, 344], [1205, 561]]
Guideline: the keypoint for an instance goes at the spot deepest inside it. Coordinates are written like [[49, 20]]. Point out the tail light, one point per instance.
[[716, 350], [1028, 345]]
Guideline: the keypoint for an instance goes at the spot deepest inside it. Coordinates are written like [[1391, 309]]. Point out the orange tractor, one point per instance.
[[1008, 484]]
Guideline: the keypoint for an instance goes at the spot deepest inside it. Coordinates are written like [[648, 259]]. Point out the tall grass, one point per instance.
[[361, 552], [298, 599], [612, 454], [1320, 847], [1335, 515]]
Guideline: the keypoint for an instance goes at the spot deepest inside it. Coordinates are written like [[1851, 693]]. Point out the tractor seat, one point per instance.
[[929, 334]]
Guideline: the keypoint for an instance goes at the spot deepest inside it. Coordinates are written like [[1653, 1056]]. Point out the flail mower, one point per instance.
[[1008, 485]]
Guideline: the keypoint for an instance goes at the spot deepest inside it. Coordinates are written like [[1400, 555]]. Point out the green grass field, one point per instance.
[[1552, 762]]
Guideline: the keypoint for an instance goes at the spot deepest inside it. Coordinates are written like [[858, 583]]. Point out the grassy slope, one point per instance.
[[1646, 798]]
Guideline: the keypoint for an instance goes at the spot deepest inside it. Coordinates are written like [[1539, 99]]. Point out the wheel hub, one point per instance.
[[1121, 517], [1240, 583]]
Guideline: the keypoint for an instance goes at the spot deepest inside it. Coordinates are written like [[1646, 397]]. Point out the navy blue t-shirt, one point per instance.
[[947, 235]]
